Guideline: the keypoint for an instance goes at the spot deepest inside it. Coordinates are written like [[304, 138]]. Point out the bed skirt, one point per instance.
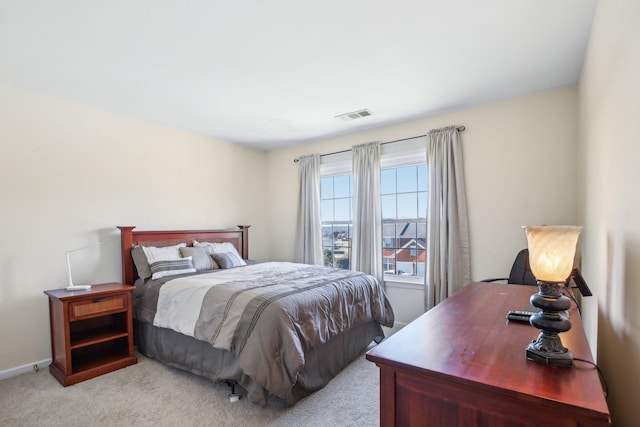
[[199, 357]]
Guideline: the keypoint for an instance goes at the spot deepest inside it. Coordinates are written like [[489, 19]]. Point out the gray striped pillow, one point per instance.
[[228, 260], [171, 267], [201, 259]]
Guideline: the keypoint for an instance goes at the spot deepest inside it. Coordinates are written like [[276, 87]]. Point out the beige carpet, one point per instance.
[[152, 394]]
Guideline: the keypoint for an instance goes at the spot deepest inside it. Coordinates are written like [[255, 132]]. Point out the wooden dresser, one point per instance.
[[463, 364]]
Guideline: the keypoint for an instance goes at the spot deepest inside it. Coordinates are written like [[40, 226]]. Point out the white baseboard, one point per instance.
[[24, 369]]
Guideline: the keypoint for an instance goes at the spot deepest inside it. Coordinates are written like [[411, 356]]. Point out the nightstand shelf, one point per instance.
[[100, 355], [92, 338], [91, 332]]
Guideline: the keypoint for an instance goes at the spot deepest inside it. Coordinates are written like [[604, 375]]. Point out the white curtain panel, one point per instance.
[[448, 261], [366, 244], [309, 228]]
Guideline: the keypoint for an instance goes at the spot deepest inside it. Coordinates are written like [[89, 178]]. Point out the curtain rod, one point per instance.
[[460, 129]]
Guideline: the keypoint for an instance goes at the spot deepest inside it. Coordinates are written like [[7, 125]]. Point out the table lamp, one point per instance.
[[551, 253], [71, 286]]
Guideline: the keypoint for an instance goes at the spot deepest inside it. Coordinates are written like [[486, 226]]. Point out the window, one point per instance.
[[404, 227], [335, 199], [404, 206]]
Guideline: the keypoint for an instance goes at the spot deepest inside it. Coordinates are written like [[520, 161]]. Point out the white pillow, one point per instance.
[[162, 253], [217, 248]]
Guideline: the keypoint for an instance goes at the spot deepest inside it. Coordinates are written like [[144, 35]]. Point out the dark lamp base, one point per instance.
[[550, 358], [547, 349]]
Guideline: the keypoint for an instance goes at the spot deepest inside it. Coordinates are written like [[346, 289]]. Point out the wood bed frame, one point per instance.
[[128, 238]]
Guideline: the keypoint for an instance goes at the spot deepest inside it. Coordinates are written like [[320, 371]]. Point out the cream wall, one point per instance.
[[520, 168], [610, 176], [70, 174]]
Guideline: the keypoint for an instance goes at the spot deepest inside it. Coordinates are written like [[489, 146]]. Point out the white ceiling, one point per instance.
[[274, 73]]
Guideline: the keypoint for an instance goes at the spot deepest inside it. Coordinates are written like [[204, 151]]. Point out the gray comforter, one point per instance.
[[270, 319]]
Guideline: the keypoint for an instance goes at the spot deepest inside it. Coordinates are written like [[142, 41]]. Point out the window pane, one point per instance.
[[342, 186], [328, 256], [342, 257], [422, 231], [407, 205], [407, 231], [326, 210], [422, 204], [388, 206], [342, 209], [327, 235], [404, 268], [387, 181], [389, 262], [422, 178], [407, 179], [400, 229], [326, 187], [389, 235], [420, 263], [341, 235], [387, 242]]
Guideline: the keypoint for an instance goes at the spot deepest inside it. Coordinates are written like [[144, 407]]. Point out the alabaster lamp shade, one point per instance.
[[551, 251]]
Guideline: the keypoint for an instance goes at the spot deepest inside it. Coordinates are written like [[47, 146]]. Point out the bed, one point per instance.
[[276, 329]]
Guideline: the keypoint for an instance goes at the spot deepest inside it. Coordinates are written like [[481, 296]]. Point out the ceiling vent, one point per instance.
[[354, 115]]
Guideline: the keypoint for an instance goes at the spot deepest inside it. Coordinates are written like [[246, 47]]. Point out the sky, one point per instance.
[[403, 194]]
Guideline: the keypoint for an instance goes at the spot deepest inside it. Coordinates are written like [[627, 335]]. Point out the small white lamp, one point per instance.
[[71, 286]]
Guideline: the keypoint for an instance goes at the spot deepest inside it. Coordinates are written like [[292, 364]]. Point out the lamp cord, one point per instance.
[[603, 381], [570, 295]]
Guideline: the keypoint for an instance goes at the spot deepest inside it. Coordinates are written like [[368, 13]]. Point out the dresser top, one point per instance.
[[468, 340]]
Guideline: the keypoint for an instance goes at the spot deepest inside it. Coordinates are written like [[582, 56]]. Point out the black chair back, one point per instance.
[[521, 270]]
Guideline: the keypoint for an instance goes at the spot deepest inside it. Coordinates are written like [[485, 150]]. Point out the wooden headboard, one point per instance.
[[128, 238]]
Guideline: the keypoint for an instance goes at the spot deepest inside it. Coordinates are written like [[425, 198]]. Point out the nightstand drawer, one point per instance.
[[91, 307]]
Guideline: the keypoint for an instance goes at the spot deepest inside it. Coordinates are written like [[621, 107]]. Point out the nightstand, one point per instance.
[[91, 331]]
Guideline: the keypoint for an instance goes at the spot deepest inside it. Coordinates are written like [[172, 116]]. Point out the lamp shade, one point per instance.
[[551, 251]]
